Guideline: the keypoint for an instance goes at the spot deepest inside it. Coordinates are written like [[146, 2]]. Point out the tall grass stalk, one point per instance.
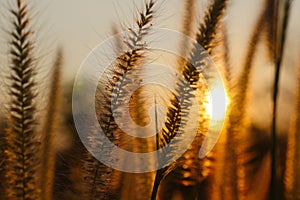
[[280, 31], [21, 167], [188, 18], [100, 179], [138, 183], [227, 62], [135, 49], [270, 19], [50, 129], [292, 172], [233, 162], [187, 84]]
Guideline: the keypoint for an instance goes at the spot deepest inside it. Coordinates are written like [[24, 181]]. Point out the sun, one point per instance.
[[217, 101]]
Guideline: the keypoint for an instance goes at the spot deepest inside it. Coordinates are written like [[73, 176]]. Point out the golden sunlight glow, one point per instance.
[[217, 101]]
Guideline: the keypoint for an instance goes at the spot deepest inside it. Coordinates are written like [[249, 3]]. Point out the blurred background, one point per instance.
[[79, 26]]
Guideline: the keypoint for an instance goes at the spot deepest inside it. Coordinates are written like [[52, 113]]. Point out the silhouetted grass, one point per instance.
[[21, 166], [30, 168]]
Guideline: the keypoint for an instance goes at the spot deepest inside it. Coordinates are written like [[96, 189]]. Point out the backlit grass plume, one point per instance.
[[130, 59], [30, 166], [101, 179], [190, 170], [21, 170], [191, 71], [177, 113]]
